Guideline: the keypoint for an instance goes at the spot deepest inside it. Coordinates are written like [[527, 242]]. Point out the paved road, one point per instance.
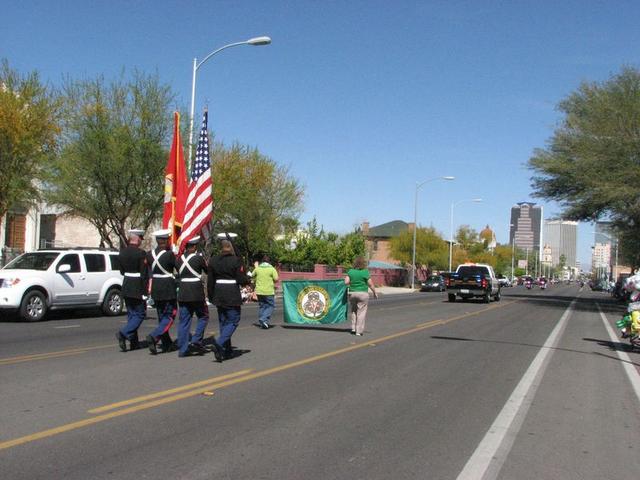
[[532, 387]]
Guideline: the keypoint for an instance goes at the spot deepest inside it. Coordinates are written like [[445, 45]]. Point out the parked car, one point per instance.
[[504, 281], [435, 283], [36, 282]]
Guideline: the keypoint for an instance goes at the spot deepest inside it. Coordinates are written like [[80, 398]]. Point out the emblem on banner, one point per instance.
[[313, 302]]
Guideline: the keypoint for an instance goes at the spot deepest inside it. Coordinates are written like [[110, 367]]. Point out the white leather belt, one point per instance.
[[189, 279], [132, 275], [162, 275], [222, 280]]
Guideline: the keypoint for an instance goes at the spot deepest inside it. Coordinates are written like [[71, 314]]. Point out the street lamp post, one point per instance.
[[513, 251], [256, 41], [475, 200], [415, 224]]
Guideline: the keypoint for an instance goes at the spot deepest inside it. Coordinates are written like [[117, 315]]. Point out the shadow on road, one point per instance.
[[584, 304], [611, 345], [313, 327]]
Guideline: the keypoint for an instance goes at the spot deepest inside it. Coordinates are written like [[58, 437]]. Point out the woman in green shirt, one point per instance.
[[359, 282]]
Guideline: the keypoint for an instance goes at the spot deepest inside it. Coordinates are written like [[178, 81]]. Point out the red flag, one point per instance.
[[199, 204], [175, 185]]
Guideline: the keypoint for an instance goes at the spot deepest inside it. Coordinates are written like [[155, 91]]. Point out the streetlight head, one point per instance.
[[477, 200], [259, 41], [448, 178]]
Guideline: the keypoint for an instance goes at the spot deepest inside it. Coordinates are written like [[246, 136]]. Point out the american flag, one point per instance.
[[199, 206]]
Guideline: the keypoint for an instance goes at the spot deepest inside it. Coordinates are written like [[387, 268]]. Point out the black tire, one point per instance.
[[34, 306], [498, 296], [452, 297], [113, 303], [487, 297]]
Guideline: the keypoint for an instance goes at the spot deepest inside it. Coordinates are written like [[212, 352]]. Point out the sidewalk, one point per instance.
[[394, 290]]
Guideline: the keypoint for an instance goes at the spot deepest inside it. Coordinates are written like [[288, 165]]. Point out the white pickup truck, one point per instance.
[[473, 280], [36, 282]]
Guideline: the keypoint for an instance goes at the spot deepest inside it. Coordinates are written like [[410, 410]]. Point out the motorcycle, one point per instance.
[[543, 285], [528, 284]]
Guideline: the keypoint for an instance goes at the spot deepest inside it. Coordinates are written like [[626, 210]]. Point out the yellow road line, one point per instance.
[[43, 356], [232, 381], [164, 393]]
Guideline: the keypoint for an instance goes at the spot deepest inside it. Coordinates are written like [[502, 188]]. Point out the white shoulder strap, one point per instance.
[[185, 264], [156, 262]]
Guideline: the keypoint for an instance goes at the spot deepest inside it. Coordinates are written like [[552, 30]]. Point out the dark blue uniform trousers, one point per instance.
[[229, 318], [136, 311], [187, 310], [166, 314]]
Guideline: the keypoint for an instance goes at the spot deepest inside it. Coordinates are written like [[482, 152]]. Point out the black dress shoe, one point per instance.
[[197, 349], [169, 347], [121, 341], [217, 352], [134, 344], [151, 343]]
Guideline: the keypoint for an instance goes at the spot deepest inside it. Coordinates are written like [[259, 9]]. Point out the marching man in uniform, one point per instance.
[[191, 299], [226, 274], [162, 264], [133, 266]]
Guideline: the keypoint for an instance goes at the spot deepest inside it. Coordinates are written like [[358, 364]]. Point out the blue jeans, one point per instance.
[[229, 318], [136, 311], [266, 304], [187, 310], [166, 315]]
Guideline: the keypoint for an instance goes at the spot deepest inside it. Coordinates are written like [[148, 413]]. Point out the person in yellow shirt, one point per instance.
[[265, 278]]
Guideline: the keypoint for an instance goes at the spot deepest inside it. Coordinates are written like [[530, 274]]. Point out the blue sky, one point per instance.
[[361, 99]]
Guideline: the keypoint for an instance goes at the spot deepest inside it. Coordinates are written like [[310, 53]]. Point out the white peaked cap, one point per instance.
[[164, 233]]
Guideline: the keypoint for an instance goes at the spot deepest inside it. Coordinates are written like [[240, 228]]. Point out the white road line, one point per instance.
[[69, 326], [491, 453], [627, 364]]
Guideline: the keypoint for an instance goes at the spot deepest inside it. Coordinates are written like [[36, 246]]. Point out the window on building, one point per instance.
[[15, 235], [375, 245]]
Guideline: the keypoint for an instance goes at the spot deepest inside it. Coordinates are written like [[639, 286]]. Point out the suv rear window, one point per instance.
[[473, 271], [94, 261], [115, 262]]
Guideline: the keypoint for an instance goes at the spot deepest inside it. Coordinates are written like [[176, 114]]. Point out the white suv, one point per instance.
[[38, 281]]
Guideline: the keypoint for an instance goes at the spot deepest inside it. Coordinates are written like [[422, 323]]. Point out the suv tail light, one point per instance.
[[484, 283]]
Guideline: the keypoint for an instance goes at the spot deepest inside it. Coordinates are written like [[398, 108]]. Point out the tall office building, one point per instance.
[[562, 238], [604, 233], [526, 226]]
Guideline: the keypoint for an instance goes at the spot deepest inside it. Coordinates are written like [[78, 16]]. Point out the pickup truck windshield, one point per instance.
[[32, 261], [472, 271]]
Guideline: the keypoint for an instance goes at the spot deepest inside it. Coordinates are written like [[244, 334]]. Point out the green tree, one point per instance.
[[254, 197], [318, 246], [111, 167], [431, 249], [562, 262], [591, 165], [468, 238], [29, 126]]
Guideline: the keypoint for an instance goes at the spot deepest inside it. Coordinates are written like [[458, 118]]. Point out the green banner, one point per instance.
[[313, 302]]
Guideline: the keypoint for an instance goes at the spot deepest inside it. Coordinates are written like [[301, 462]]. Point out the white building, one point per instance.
[[27, 229], [561, 236]]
